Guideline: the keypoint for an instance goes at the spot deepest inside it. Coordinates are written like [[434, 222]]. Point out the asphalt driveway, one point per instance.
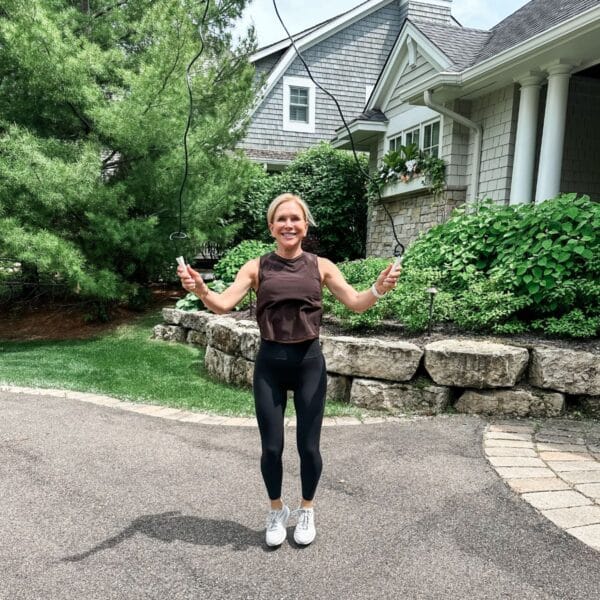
[[96, 502]]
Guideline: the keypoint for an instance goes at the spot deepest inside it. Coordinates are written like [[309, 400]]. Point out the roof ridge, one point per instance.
[[308, 30]]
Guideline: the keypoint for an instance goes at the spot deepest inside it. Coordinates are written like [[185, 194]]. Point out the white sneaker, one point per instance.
[[276, 522], [305, 531]]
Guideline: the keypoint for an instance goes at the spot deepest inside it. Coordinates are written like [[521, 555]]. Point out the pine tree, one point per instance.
[[93, 107]]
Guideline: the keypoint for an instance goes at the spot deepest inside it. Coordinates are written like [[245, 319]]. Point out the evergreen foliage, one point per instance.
[[93, 107]]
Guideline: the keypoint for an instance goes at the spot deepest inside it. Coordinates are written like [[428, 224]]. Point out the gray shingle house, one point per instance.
[[345, 55], [514, 111]]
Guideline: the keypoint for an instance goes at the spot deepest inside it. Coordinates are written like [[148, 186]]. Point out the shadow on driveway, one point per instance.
[[173, 526]]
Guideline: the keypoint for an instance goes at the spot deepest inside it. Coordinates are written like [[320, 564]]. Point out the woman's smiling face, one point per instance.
[[289, 226]]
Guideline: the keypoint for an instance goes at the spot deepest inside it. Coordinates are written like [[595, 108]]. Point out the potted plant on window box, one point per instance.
[[407, 163]]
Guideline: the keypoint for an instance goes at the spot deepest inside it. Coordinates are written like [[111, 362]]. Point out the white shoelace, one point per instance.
[[303, 515], [274, 519]]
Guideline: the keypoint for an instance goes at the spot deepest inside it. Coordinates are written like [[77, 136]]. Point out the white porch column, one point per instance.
[[521, 191], [551, 153]]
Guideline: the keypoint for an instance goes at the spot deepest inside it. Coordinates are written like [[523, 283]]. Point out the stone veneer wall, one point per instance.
[[398, 376], [412, 214]]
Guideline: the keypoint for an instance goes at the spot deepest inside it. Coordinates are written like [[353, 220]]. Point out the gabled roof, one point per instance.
[[309, 37], [285, 42], [466, 47], [532, 19], [456, 52], [461, 45]]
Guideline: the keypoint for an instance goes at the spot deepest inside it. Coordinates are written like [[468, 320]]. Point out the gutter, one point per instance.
[[475, 127]]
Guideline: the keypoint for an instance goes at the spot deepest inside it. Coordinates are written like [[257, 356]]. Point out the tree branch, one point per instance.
[[107, 9]]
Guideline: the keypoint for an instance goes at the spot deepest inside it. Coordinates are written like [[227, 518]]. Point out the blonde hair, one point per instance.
[[287, 198]]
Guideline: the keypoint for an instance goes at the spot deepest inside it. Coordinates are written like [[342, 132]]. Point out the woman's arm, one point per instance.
[[347, 295], [222, 303]]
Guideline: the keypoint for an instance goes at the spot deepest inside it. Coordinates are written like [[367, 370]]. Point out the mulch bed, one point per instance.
[[71, 321]]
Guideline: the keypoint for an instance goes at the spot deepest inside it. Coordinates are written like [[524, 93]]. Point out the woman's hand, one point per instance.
[[192, 281], [387, 279]]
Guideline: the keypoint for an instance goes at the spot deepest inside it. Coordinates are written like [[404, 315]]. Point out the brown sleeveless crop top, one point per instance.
[[288, 301]]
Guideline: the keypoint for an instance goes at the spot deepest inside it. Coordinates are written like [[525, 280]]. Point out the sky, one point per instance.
[[301, 14]]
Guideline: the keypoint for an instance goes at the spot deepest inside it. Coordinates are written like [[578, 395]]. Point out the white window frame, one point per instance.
[[421, 127], [299, 82], [426, 124], [394, 140]]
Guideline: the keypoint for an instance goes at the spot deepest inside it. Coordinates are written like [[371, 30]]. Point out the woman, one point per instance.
[[288, 284]]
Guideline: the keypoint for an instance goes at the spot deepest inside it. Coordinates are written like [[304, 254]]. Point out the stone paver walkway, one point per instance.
[[555, 467]]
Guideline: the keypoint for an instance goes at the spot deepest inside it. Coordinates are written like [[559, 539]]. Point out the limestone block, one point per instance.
[[223, 334], [518, 402], [470, 363], [569, 371], [381, 359], [172, 316], [169, 333], [228, 368], [419, 396], [218, 364], [197, 338], [197, 320], [158, 332], [242, 372], [338, 388], [249, 339]]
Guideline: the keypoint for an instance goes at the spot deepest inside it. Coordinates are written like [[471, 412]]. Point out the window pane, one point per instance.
[[395, 142], [431, 135], [299, 96], [299, 104], [299, 113], [412, 137]]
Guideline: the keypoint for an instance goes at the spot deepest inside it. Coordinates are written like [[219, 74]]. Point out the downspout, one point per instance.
[[476, 128]]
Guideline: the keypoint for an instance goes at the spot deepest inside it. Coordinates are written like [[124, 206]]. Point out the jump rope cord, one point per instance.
[[179, 234], [399, 249]]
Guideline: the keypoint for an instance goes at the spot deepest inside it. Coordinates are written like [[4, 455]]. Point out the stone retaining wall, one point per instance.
[[397, 376]]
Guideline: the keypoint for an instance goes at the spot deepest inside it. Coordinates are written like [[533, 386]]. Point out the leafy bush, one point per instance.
[[411, 300], [360, 274], [541, 261], [333, 186], [573, 324], [485, 306], [233, 260]]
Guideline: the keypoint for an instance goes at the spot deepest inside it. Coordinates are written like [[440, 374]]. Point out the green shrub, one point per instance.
[[544, 259], [333, 186], [486, 306], [250, 212], [360, 274], [573, 324], [410, 301], [233, 260]]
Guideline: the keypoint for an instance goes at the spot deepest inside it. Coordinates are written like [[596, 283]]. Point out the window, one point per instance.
[[298, 104], [412, 137], [431, 138], [426, 136], [395, 142]]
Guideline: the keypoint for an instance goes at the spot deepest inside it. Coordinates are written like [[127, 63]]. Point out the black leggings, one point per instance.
[[299, 367]]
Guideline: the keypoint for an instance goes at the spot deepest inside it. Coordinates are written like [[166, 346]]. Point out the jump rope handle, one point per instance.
[[181, 261], [397, 263]]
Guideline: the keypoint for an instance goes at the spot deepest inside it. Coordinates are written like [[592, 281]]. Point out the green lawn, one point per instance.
[[127, 364]]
